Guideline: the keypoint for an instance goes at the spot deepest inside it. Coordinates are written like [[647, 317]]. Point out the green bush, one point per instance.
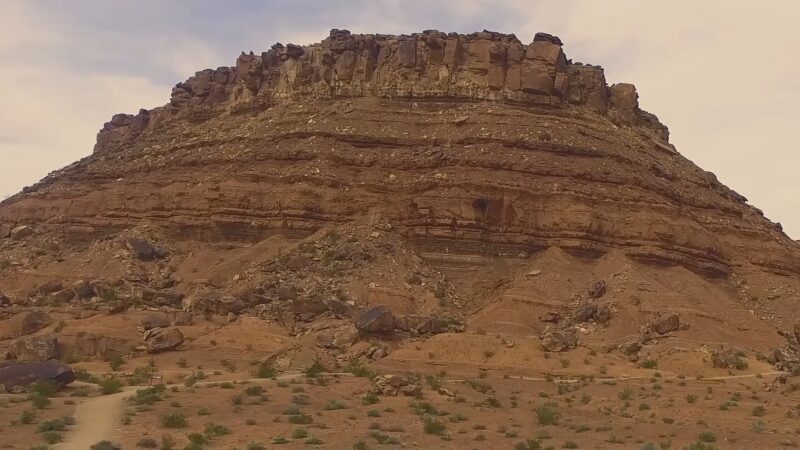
[[52, 437], [147, 442], [27, 417], [105, 445], [43, 388], [115, 361], [174, 420], [265, 370], [39, 401], [52, 425], [546, 415], [215, 430], [434, 426], [110, 386]]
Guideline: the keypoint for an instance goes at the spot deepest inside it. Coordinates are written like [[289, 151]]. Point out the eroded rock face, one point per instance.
[[28, 322], [34, 348], [432, 64], [92, 345]]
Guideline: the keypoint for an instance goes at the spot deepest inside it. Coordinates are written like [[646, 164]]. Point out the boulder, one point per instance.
[[341, 338], [83, 289], [62, 296], [392, 385], [665, 323], [143, 250], [16, 376], [29, 322], [161, 297], [286, 292], [796, 329], [586, 312], [727, 359], [558, 339], [159, 340], [603, 314], [153, 321], [49, 287], [34, 348], [180, 318], [210, 301], [308, 306], [598, 289], [4, 300], [91, 345], [21, 232], [376, 319]]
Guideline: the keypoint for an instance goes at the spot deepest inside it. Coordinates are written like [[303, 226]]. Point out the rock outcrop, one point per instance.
[[34, 348], [16, 376]]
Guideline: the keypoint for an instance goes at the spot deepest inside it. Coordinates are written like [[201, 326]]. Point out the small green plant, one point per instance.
[[115, 361], [27, 417], [104, 445], [649, 364], [110, 386], [707, 436], [314, 370], [759, 411], [174, 420], [52, 437], [147, 442], [335, 405], [215, 430], [546, 415], [529, 444], [39, 401], [434, 426], [255, 446], [254, 390], [370, 398], [691, 398]]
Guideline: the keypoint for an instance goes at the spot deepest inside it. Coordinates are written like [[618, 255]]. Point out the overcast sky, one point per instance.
[[723, 75]]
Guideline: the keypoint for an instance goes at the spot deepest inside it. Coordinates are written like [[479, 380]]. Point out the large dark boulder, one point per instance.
[[16, 376], [160, 340], [376, 319]]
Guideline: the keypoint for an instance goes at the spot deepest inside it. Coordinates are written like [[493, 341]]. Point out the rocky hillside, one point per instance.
[[460, 180]]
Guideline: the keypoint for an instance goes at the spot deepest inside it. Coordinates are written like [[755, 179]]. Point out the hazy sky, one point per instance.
[[723, 75]]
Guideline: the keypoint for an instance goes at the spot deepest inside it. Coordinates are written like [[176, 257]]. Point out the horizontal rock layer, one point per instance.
[[428, 65]]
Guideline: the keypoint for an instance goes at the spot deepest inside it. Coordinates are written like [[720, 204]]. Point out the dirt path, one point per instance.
[[96, 419]]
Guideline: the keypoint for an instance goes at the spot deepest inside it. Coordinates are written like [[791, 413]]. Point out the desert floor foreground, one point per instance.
[[581, 407]]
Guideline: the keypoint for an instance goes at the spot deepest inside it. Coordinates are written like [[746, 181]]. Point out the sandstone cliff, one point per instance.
[[477, 152]]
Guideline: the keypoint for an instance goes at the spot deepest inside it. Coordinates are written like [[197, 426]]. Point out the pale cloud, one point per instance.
[[721, 75]]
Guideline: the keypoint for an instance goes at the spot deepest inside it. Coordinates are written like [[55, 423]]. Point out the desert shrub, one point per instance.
[[147, 396], [649, 364], [39, 401], [529, 444], [52, 437], [300, 419], [255, 446], [335, 405], [314, 370], [215, 430], [43, 388], [174, 420], [759, 411], [115, 361], [314, 441], [707, 436], [433, 425], [254, 390], [546, 415], [357, 368], [52, 425], [197, 439], [370, 399], [147, 442], [27, 417], [265, 370], [110, 386], [105, 445]]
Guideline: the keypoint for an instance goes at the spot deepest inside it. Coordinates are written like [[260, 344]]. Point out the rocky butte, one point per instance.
[[414, 184]]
